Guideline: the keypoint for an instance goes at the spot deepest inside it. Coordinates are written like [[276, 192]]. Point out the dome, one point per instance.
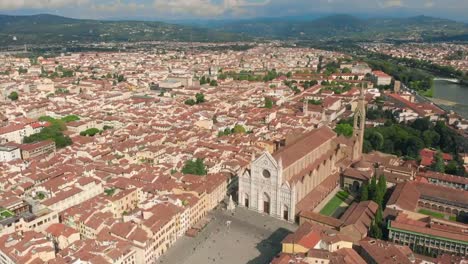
[[363, 165]]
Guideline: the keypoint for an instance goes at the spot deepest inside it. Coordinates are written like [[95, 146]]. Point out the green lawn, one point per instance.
[[6, 214], [334, 203], [431, 213]]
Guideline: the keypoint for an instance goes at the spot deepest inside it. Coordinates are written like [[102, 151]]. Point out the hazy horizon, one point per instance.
[[179, 10]]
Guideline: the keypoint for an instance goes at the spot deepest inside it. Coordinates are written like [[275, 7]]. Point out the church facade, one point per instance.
[[275, 183]]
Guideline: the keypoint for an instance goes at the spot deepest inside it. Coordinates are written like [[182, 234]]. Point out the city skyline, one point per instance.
[[233, 131]]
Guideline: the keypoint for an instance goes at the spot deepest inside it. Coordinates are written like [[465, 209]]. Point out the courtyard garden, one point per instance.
[[338, 201]]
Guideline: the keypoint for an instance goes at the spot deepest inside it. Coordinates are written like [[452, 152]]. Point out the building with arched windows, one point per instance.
[[301, 174], [276, 183]]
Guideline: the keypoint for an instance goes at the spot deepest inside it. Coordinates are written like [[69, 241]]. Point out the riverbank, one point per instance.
[[450, 97], [441, 101]]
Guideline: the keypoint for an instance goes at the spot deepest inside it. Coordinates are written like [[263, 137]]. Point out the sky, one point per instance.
[[219, 9]]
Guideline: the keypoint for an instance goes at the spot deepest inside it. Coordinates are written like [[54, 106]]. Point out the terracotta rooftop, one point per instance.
[[301, 147], [405, 196]]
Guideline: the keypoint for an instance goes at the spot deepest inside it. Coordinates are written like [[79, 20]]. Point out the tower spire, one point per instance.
[[359, 125]]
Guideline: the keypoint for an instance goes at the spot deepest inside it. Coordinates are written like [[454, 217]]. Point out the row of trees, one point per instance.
[[409, 140], [59, 72], [414, 77], [237, 129], [204, 80], [252, 77], [376, 191]]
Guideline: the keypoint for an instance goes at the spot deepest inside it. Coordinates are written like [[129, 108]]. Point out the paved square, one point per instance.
[[251, 238]]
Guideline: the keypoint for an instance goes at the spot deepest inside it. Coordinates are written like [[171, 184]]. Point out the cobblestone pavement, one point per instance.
[[251, 238]]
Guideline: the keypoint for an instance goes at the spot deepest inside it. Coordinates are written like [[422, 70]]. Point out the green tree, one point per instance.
[[452, 168], [431, 138], [70, 118], [227, 131], [200, 98], [382, 189], [67, 73], [13, 96], [344, 129], [366, 146], [379, 216], [421, 124], [438, 163], [373, 188], [62, 141], [190, 102], [376, 139], [22, 70], [214, 83], [90, 132], [364, 192], [239, 129], [120, 78], [202, 80], [414, 145], [53, 132], [375, 231], [196, 167], [268, 103]]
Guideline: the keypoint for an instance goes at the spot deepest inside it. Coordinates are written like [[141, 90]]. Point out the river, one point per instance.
[[452, 96]]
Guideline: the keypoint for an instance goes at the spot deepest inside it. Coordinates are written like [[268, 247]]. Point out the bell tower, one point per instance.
[[305, 106], [359, 125]]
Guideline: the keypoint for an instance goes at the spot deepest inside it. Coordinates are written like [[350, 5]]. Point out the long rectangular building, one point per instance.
[[432, 238]]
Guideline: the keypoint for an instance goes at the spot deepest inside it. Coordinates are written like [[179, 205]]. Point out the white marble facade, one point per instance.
[[262, 189]]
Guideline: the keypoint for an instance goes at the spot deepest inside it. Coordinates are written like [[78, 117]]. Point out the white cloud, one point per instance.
[[392, 3], [204, 8], [39, 4], [118, 6], [429, 4], [173, 9]]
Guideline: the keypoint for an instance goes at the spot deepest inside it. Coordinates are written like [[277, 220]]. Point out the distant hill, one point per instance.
[[51, 29], [350, 27], [45, 29]]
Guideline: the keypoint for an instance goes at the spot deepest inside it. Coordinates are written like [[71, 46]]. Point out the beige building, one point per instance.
[[15, 133], [9, 153], [80, 125], [161, 222], [25, 248], [216, 185], [30, 222], [122, 201], [381, 78], [62, 235], [84, 189], [32, 150]]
